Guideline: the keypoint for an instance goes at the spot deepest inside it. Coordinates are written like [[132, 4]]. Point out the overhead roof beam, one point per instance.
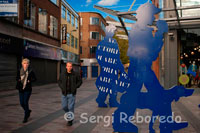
[[163, 10], [181, 18], [128, 15], [181, 8], [115, 13], [177, 15], [123, 25]]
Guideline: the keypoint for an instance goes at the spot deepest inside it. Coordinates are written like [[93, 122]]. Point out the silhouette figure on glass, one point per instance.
[[144, 46], [108, 57]]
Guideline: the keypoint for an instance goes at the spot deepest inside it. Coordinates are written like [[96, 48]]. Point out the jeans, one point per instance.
[[68, 103], [24, 99]]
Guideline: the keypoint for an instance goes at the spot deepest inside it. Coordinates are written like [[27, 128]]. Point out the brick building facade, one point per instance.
[[35, 34], [92, 32]]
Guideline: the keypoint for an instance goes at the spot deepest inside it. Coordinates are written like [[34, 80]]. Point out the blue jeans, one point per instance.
[[68, 103], [24, 101]]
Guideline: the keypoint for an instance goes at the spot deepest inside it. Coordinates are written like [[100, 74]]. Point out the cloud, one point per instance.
[[107, 2], [88, 2]]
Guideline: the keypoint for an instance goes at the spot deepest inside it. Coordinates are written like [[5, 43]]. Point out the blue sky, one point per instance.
[[119, 5]]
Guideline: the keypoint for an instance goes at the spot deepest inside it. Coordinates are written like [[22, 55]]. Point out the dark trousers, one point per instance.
[[24, 99]]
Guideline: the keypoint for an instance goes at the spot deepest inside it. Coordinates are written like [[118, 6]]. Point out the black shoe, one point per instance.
[[29, 114], [70, 123], [25, 120]]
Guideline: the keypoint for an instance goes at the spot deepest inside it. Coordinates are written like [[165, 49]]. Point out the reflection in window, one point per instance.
[[95, 35], [72, 40], [56, 2], [102, 37], [76, 23], [103, 26], [53, 26], [31, 22], [68, 39], [42, 18], [68, 16], [76, 43], [188, 12], [72, 17], [93, 50], [94, 21], [63, 12]]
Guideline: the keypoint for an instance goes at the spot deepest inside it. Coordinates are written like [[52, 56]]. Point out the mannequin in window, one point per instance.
[[183, 69], [193, 68]]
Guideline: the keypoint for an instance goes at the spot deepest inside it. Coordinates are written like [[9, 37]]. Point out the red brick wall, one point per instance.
[[85, 28], [53, 10]]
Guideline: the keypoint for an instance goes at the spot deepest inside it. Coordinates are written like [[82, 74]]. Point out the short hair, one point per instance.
[[25, 60], [69, 63]]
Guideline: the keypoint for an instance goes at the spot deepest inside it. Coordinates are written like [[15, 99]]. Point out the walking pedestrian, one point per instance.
[[25, 77], [69, 82]]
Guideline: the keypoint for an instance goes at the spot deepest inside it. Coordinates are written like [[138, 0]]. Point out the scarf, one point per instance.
[[23, 76]]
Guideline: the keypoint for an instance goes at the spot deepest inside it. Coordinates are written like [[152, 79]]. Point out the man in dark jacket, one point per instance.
[[69, 82]]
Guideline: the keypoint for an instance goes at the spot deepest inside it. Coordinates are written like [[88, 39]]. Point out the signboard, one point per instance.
[[69, 57], [34, 49], [8, 8], [64, 32], [11, 44]]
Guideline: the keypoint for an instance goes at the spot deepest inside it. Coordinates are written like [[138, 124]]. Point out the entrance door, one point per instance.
[[94, 71], [84, 71]]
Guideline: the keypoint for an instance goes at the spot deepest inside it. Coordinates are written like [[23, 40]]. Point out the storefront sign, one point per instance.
[[8, 8], [69, 57], [64, 32], [11, 44], [41, 51]]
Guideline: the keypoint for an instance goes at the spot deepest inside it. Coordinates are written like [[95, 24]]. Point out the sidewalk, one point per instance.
[[48, 117]]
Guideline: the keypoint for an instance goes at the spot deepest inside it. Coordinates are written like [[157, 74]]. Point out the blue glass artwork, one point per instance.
[[108, 57], [145, 43]]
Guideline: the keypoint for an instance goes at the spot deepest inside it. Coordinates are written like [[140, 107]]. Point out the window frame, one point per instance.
[[53, 27], [46, 15], [68, 16], [94, 22], [91, 35], [63, 11], [72, 41]]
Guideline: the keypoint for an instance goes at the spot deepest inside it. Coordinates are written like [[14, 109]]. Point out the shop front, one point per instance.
[[189, 58], [44, 60], [11, 50], [70, 57]]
